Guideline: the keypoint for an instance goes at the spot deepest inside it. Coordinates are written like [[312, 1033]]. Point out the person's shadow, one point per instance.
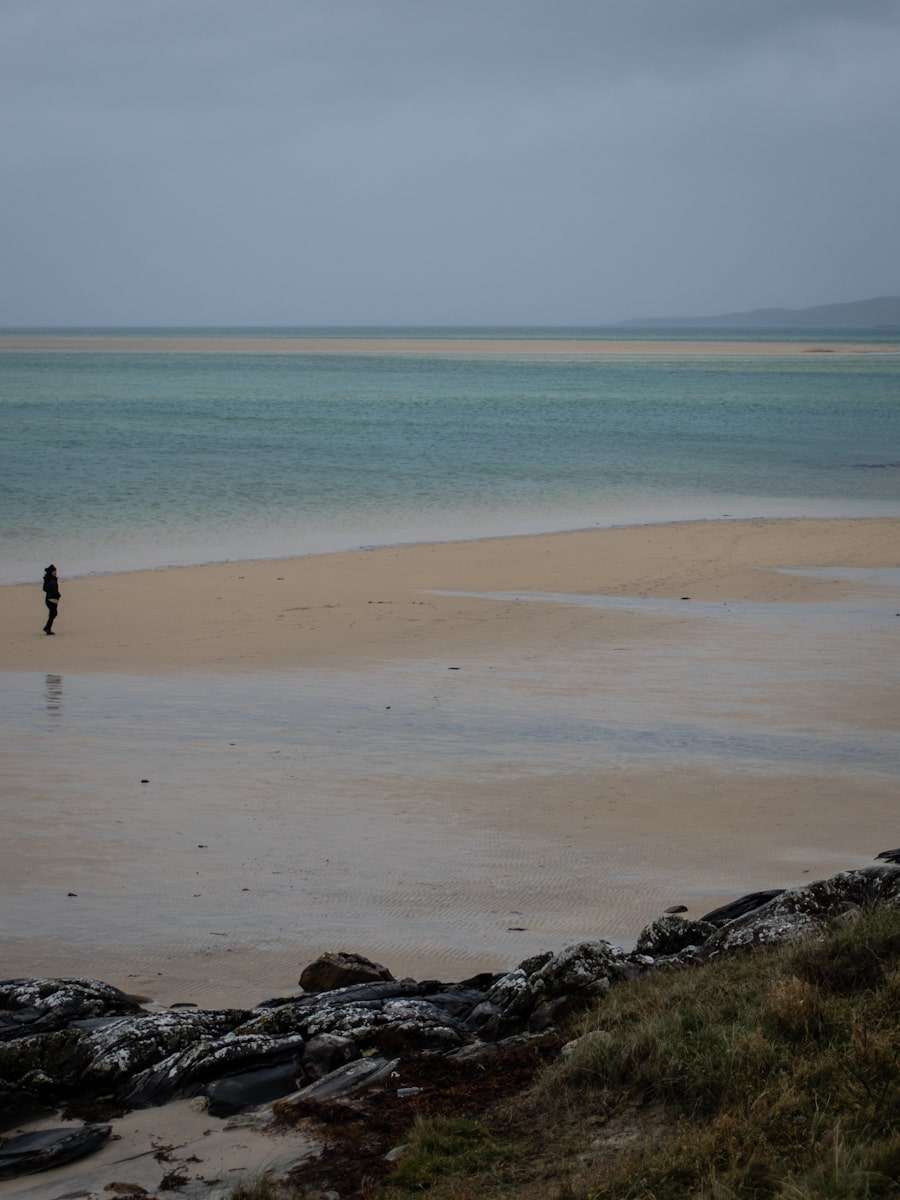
[[53, 696]]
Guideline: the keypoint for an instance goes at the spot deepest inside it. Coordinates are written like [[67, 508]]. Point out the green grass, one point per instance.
[[769, 1076], [261, 1188], [441, 1145]]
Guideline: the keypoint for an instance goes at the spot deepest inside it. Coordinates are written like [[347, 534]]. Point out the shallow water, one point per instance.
[[113, 461]]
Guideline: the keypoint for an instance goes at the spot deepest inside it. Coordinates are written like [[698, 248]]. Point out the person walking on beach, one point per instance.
[[51, 597]]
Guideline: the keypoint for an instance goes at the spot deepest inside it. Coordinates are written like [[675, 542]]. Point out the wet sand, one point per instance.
[[440, 347], [337, 756]]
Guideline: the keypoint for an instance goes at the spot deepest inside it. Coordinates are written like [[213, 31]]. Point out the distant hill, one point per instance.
[[881, 313]]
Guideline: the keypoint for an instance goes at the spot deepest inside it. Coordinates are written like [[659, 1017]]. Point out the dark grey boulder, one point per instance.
[[669, 935], [550, 1013], [890, 856], [249, 1088], [32, 1152], [340, 968], [484, 1020], [114, 1055], [186, 1072], [30, 1006], [738, 908], [457, 1001], [326, 1052]]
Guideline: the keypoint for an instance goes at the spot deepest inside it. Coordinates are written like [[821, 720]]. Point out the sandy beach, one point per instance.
[[381, 603], [445, 347], [340, 753]]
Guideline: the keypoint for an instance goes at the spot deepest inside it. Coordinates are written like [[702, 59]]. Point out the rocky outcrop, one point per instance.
[[67, 1038], [117, 1053], [339, 969], [806, 911], [186, 1072]]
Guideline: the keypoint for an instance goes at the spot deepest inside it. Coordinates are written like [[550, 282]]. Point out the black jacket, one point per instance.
[[51, 587]]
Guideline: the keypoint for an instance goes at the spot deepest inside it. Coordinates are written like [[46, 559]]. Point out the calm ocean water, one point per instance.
[[113, 461]]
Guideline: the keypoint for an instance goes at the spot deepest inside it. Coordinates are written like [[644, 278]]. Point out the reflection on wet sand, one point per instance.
[[53, 693]]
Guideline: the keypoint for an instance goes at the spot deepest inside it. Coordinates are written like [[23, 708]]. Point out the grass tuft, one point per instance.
[[442, 1145]]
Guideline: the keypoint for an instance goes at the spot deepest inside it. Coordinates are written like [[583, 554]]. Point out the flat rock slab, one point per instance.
[[47, 1148]]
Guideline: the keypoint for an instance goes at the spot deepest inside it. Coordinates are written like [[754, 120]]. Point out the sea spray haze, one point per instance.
[[111, 461]]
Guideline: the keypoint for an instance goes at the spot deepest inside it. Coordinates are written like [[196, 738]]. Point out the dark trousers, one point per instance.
[[51, 609]]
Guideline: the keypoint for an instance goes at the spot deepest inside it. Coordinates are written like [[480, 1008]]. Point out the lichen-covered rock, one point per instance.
[[575, 975], [586, 967], [396, 1027], [41, 1058], [530, 965], [186, 1072], [806, 911], [513, 994], [669, 935], [354, 993], [30, 1006], [115, 1054], [337, 969]]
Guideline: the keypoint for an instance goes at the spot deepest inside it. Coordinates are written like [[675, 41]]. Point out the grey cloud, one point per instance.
[[385, 161]]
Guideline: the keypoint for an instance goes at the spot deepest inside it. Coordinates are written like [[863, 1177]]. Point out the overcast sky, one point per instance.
[[444, 161]]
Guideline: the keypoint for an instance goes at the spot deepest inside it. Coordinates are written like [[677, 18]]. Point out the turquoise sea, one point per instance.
[[114, 461]]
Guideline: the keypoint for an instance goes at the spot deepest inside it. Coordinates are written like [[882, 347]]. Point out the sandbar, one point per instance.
[[382, 604], [436, 347]]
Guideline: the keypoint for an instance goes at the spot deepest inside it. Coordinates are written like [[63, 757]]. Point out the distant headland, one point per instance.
[[882, 312]]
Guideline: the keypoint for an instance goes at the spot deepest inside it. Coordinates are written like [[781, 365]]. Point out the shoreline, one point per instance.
[[532, 349], [345, 607], [474, 540]]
